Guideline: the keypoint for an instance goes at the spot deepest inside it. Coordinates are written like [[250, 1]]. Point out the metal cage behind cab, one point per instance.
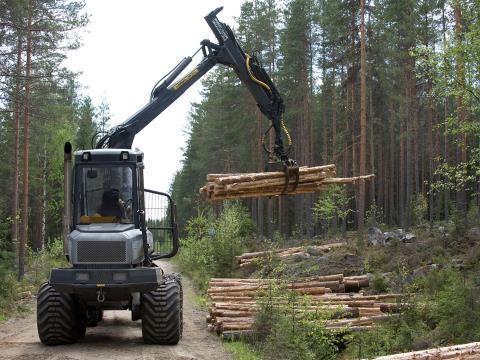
[[160, 214]]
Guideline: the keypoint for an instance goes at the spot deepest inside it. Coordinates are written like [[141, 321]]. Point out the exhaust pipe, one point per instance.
[[67, 194]]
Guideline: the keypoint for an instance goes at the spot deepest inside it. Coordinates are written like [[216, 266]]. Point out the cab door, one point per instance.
[[160, 217]]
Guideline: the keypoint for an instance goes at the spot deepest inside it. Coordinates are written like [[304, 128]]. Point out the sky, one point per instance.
[[128, 46]]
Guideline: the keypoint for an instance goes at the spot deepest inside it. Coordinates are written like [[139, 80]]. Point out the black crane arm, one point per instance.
[[121, 136], [229, 53]]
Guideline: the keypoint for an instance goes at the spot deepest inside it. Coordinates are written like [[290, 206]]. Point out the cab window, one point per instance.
[[104, 194]]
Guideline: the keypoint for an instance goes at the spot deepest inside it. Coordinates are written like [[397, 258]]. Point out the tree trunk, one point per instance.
[[271, 66], [401, 181], [461, 113], [16, 152], [260, 227], [372, 151], [39, 236], [346, 134], [260, 167], [446, 194], [325, 121], [415, 138], [363, 117], [391, 169], [270, 201], [334, 117], [353, 32], [26, 143], [308, 132], [428, 150], [382, 176], [408, 145]]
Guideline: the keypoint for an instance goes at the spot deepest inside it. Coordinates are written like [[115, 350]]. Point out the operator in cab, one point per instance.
[[111, 205]]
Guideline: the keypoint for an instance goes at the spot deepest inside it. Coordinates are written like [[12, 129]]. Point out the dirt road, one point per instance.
[[114, 338]]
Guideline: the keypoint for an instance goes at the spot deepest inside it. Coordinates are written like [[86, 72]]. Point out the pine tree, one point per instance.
[[298, 51], [87, 126], [34, 35]]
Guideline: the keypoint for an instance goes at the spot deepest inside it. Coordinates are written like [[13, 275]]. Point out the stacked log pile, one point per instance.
[[246, 185], [234, 302], [289, 254], [316, 285], [469, 351]]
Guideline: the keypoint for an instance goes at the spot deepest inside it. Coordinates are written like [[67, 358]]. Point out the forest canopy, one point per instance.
[[383, 87]]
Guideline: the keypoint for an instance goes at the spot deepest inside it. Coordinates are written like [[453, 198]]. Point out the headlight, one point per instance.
[[119, 277], [79, 276]]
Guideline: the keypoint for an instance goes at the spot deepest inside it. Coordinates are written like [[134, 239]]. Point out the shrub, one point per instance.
[[457, 221], [38, 266], [374, 216], [395, 336], [288, 332], [380, 285], [40, 263], [285, 330], [211, 244], [473, 215], [455, 305], [5, 230], [8, 287], [419, 209], [333, 205], [446, 310]]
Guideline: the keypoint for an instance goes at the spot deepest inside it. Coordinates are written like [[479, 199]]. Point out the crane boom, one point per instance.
[[226, 52]]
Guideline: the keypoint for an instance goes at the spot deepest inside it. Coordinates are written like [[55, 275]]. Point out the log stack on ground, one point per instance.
[[247, 185], [469, 351], [315, 285], [234, 302], [247, 260]]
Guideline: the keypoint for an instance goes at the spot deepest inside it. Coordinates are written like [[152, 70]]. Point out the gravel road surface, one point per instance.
[[117, 337]]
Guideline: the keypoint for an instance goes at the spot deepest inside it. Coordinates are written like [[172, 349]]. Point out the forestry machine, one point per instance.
[[114, 229]]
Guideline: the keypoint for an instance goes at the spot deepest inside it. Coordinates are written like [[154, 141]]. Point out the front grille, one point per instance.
[[101, 266], [101, 252]]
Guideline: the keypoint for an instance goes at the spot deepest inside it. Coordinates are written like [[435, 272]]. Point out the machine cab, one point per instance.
[[105, 187], [113, 216]]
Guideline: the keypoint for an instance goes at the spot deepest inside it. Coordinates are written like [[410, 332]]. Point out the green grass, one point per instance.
[[199, 301], [38, 266], [241, 351]]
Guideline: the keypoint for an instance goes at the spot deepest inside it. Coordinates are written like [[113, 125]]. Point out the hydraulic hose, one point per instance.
[[266, 87]]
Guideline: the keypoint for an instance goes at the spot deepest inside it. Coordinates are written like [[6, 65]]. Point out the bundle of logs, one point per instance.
[[246, 185], [299, 253], [469, 351], [234, 302]]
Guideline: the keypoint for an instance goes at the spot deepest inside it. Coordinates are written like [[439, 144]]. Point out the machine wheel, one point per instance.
[[81, 330], [161, 310], [100, 315], [56, 317]]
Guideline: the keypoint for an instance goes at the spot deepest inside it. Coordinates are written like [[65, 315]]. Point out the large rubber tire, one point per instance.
[[56, 317], [162, 312]]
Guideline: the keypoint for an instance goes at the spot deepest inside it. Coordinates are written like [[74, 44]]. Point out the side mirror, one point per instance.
[[161, 215]]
